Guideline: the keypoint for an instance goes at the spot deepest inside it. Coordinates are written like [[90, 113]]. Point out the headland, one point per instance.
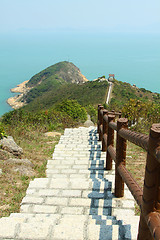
[[15, 102]]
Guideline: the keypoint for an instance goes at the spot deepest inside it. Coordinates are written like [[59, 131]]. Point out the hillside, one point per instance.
[[63, 81], [52, 78], [62, 71], [58, 101], [122, 92], [89, 93], [56, 83]]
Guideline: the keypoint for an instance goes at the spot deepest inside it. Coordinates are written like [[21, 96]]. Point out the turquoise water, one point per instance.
[[133, 58]]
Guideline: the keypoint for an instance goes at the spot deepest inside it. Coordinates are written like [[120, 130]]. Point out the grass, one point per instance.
[[38, 149], [13, 183], [135, 163]]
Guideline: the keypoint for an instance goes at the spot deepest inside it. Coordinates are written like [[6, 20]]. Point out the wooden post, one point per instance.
[[110, 141], [98, 117], [105, 131], [100, 124], [151, 189], [120, 157], [120, 114]]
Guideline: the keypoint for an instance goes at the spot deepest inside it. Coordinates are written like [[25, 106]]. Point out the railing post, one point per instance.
[[110, 141], [105, 131], [120, 157], [100, 124], [98, 118], [151, 189]]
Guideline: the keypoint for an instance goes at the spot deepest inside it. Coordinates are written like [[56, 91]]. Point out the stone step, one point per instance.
[[78, 183], [49, 226], [76, 200]]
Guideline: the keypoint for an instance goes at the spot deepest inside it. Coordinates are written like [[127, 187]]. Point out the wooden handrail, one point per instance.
[[149, 199]]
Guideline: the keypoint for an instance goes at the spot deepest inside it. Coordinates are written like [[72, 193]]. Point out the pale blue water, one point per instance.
[[133, 58]]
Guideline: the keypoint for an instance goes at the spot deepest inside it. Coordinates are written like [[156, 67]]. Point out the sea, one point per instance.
[[132, 57]]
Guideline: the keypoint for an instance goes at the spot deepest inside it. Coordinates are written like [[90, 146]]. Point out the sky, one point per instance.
[[80, 15]]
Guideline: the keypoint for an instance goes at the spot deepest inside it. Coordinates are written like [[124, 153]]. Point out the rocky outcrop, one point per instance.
[[4, 155], [8, 144], [16, 101], [24, 161], [10, 155], [22, 166], [88, 123], [21, 88], [52, 134]]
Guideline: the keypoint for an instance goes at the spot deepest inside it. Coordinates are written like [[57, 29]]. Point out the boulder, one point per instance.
[[4, 155], [88, 123], [9, 145], [52, 134], [18, 161], [24, 170], [22, 166]]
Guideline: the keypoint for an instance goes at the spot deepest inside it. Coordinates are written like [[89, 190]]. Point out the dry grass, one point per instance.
[[135, 163], [38, 149], [14, 179]]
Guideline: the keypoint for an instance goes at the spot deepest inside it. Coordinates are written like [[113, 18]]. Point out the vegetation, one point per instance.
[[123, 92], [46, 120], [140, 106], [73, 109], [135, 163], [38, 149], [2, 131], [89, 93], [51, 79], [142, 114], [58, 99], [62, 71]]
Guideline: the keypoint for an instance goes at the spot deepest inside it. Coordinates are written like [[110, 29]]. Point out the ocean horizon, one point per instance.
[[133, 58]]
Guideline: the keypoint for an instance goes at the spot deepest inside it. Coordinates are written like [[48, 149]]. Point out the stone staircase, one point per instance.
[[76, 200]]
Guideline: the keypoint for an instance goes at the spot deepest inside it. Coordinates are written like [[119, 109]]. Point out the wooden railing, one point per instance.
[[149, 198]]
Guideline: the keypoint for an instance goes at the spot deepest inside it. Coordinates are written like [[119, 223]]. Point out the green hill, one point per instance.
[[52, 78], [63, 83], [89, 93], [122, 93]]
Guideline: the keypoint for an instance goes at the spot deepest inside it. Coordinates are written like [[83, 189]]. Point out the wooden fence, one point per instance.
[[149, 198]]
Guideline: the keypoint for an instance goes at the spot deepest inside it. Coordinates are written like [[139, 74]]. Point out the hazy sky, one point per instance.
[[90, 15]]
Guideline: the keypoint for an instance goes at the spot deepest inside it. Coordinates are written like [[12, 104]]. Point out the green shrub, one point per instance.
[[2, 131], [73, 109], [44, 119]]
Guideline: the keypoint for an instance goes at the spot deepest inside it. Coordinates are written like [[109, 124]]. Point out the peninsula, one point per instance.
[[53, 77], [15, 102]]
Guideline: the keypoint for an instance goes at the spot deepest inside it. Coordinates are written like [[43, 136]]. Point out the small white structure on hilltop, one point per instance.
[[111, 77]]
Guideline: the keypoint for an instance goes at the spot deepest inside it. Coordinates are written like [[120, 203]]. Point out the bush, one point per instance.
[[44, 120], [2, 131], [73, 109]]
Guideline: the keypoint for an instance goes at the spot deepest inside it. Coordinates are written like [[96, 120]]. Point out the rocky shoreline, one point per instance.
[[15, 102]]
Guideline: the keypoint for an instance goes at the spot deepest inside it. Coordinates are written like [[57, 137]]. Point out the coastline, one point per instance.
[[15, 102]]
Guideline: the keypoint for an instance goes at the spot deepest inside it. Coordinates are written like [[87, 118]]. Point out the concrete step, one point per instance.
[[49, 226], [76, 200]]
